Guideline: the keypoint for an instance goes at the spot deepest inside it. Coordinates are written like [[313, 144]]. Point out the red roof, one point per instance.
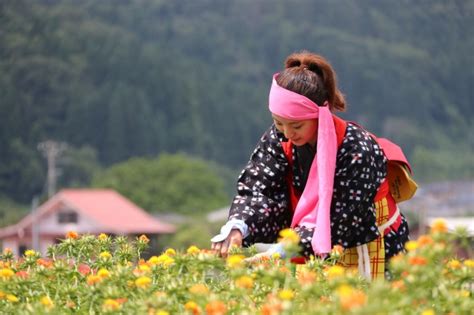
[[108, 210]]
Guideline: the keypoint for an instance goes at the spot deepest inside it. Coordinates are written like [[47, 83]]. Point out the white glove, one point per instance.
[[228, 227], [267, 250]]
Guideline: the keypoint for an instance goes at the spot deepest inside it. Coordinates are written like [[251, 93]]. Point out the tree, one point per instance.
[[170, 183]]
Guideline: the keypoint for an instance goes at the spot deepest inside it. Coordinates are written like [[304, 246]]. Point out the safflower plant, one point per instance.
[[87, 274]]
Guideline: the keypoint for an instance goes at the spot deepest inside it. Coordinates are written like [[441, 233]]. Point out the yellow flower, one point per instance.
[[102, 237], [46, 301], [411, 245], [111, 305], [193, 250], [103, 273], [289, 236], [439, 226], [286, 295], [72, 235], [6, 273], [161, 312], [170, 252], [143, 282], [469, 263], [428, 312], [163, 260], [244, 282], [105, 255], [335, 271], [30, 253], [454, 264], [464, 293], [234, 261], [199, 289], [144, 268], [12, 298]]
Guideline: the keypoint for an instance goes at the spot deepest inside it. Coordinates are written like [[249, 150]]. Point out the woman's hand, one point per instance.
[[233, 239]]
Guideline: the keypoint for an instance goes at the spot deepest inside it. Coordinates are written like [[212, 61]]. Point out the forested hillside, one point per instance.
[[122, 79]]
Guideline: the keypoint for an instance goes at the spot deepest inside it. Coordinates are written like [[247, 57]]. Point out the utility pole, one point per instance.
[[51, 150]]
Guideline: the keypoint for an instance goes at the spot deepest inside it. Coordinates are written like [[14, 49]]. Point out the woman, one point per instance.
[[317, 174]]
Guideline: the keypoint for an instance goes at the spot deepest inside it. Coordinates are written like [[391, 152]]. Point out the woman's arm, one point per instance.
[[262, 197]]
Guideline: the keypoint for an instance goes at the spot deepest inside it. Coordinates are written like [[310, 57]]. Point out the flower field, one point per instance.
[[102, 274]]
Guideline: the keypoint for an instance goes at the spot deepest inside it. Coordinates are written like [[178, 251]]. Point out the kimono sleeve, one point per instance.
[[262, 194]]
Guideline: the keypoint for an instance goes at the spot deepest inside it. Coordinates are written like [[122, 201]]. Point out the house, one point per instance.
[[85, 211]]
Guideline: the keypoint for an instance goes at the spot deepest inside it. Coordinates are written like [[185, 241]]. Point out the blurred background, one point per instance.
[[163, 101]]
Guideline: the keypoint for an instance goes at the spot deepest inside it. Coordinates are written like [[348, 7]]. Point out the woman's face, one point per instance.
[[299, 132]]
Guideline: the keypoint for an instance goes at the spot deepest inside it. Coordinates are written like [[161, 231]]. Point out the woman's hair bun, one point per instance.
[[320, 66]]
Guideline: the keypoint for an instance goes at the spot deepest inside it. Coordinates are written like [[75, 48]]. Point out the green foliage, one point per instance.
[[10, 211], [433, 165], [78, 166], [170, 183]]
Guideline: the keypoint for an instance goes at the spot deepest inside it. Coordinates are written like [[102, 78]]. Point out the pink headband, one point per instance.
[[314, 207]]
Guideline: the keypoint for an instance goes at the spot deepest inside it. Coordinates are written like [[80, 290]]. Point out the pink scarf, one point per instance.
[[313, 209]]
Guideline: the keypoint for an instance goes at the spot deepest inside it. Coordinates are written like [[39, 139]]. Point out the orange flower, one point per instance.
[[93, 279], [351, 298], [143, 239], [337, 250], [398, 285], [216, 308], [199, 289], [271, 309], [439, 226], [306, 278], [111, 305], [72, 235], [22, 274], [192, 307], [244, 282], [45, 262], [417, 261], [425, 240]]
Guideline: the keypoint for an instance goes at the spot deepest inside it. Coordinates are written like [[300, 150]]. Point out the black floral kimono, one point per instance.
[[262, 199]]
